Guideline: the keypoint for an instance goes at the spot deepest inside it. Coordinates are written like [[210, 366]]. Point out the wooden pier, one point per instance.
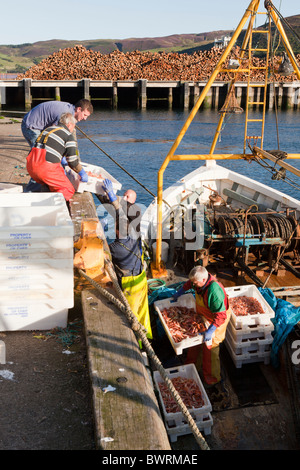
[[127, 416], [139, 94]]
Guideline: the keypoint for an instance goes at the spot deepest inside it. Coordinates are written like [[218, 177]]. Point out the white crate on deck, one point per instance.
[[255, 319], [249, 345], [247, 357], [35, 222], [187, 371], [33, 316], [186, 300], [250, 332], [176, 423], [183, 429], [95, 183], [10, 188]]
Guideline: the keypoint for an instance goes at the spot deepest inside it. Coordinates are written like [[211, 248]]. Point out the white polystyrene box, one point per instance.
[[95, 183], [60, 284], [32, 199], [48, 248], [10, 188], [186, 300], [36, 222], [50, 276], [255, 319], [38, 265], [26, 298], [33, 316]]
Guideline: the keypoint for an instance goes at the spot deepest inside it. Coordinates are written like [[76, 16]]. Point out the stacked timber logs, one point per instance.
[[78, 62]]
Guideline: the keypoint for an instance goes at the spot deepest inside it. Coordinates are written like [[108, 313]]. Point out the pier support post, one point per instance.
[[290, 97], [196, 93], [280, 95], [207, 102], [2, 96], [57, 93], [27, 93], [170, 98], [271, 95], [239, 94], [184, 95], [86, 88], [142, 94], [115, 95], [297, 98]]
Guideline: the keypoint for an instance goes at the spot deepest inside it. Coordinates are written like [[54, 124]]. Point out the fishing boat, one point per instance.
[[243, 231]]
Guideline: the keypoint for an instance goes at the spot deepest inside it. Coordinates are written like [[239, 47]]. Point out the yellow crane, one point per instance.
[[246, 55]]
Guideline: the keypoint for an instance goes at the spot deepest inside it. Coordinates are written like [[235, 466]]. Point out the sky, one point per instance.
[[31, 21]]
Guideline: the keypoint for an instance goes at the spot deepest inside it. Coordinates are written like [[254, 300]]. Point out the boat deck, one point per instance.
[[260, 414]]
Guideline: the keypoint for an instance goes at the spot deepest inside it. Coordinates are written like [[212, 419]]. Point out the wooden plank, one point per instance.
[[127, 418]]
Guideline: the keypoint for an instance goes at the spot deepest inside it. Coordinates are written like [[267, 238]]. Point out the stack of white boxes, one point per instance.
[[36, 261], [249, 337], [176, 424]]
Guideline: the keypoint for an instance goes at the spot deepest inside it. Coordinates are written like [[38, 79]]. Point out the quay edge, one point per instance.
[[139, 94]]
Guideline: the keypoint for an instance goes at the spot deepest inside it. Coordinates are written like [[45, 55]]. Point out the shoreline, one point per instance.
[[13, 152]]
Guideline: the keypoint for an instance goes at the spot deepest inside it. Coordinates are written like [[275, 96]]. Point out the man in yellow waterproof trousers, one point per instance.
[[128, 263]]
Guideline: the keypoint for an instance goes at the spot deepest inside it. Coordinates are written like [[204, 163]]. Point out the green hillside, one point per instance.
[[19, 58]]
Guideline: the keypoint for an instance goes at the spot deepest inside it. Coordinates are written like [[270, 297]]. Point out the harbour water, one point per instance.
[[140, 140]]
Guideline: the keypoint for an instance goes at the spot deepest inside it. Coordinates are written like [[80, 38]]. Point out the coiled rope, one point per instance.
[[124, 306]]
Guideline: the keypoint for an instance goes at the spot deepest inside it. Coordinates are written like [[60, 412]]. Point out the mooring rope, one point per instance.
[[124, 306]]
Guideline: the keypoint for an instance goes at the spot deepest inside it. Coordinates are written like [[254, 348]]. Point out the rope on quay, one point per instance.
[[139, 330]]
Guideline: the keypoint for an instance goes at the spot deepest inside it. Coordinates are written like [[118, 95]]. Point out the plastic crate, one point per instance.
[[247, 357], [36, 222], [255, 319], [186, 300], [183, 429], [250, 332], [94, 184], [187, 371], [249, 345]]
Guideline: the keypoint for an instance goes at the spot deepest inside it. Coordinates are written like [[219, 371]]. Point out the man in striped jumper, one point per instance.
[[44, 160]]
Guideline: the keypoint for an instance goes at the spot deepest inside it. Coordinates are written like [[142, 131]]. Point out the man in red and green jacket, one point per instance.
[[212, 304]]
